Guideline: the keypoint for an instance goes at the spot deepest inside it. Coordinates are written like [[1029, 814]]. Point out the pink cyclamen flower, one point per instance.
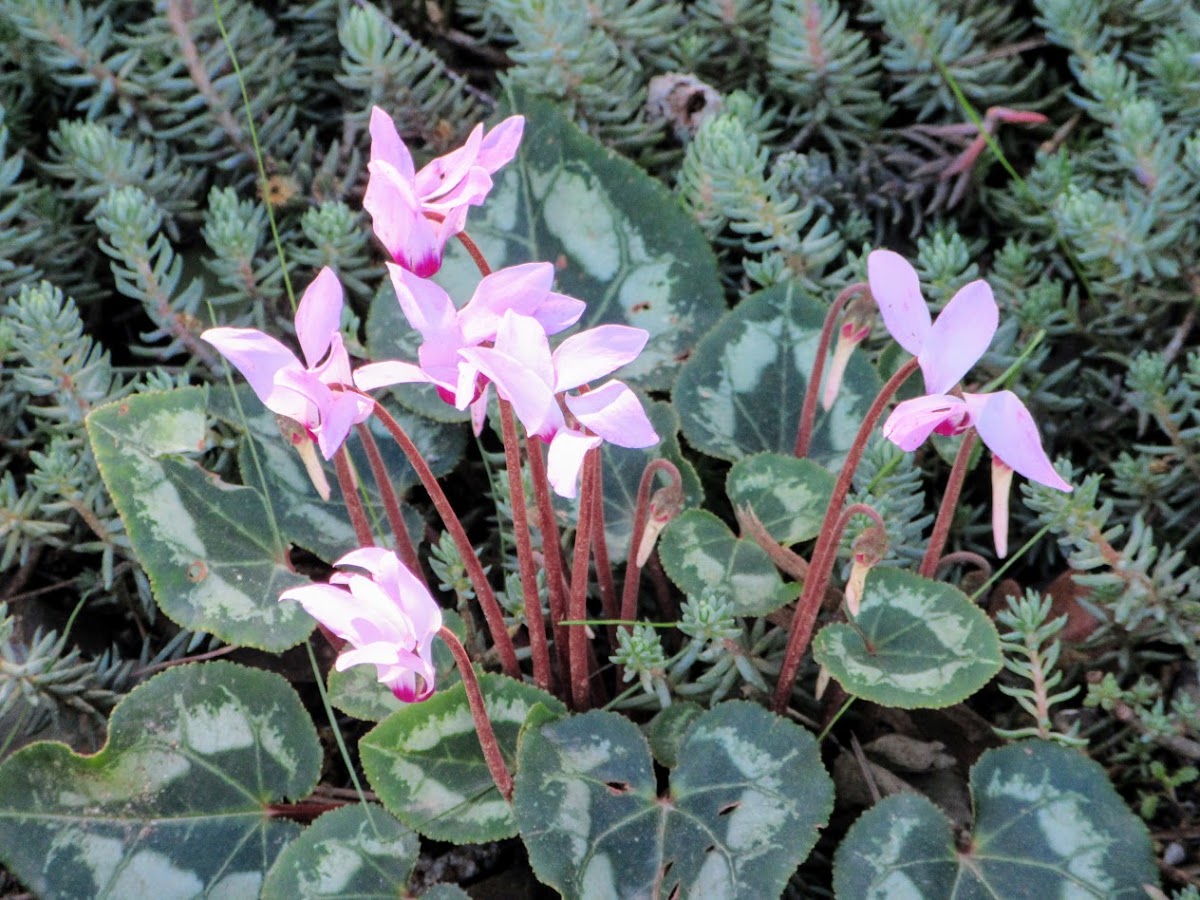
[[946, 350], [532, 378], [299, 391], [389, 619], [415, 213], [445, 330]]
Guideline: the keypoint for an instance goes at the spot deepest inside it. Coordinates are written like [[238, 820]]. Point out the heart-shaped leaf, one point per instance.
[[743, 810], [926, 644], [741, 391], [176, 804], [213, 551], [357, 851], [427, 767], [700, 553], [1047, 824], [788, 495]]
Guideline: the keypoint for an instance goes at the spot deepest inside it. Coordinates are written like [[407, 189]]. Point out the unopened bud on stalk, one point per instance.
[[665, 504], [866, 552], [297, 435], [856, 325]]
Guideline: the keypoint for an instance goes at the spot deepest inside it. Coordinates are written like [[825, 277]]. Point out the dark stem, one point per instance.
[[825, 552], [577, 607], [604, 576], [487, 597], [520, 513], [945, 516], [354, 504], [476, 254], [391, 503], [551, 551], [483, 725], [641, 513], [808, 411]]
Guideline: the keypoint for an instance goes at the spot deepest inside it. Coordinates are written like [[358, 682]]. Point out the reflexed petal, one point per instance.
[[301, 396], [523, 339], [329, 605], [614, 412], [595, 353], [532, 399], [336, 367], [1008, 430], [319, 315], [256, 355], [959, 337], [565, 459], [428, 308], [479, 411], [388, 372], [472, 190], [558, 312], [387, 145], [518, 288], [398, 221], [897, 291], [444, 173], [501, 143], [379, 653], [372, 559], [336, 419], [914, 420]]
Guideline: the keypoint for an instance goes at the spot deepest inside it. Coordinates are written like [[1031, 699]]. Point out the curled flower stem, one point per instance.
[[825, 552], [391, 503], [487, 597], [857, 509], [577, 606], [964, 557], [483, 724], [551, 550], [641, 513], [945, 516], [520, 513], [808, 411], [354, 504]]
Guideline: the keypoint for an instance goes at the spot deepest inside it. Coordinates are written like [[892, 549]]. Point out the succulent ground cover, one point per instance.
[[613, 448]]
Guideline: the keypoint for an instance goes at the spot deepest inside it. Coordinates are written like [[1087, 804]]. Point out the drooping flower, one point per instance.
[[389, 619], [415, 213], [532, 379], [302, 392], [445, 330], [946, 350]]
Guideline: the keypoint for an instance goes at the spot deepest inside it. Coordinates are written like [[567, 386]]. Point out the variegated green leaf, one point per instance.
[[427, 767], [357, 851], [175, 805], [699, 553], [741, 391], [667, 729], [788, 495], [1048, 824], [919, 644], [213, 551], [743, 810]]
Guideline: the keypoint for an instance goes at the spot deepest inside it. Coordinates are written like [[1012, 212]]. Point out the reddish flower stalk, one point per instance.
[[577, 608], [945, 516], [641, 514], [391, 503], [808, 410], [604, 576], [476, 254], [354, 504], [551, 550], [825, 553], [483, 725], [487, 597], [533, 602]]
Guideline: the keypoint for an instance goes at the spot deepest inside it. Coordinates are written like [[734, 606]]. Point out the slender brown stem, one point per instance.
[[520, 513], [354, 505], [825, 552], [483, 590], [857, 509], [604, 576], [808, 410], [945, 516], [551, 551], [964, 557], [641, 513], [577, 607], [476, 254], [483, 724], [391, 503]]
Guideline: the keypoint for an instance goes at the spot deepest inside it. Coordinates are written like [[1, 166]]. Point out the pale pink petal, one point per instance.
[[379, 653], [1002, 476], [472, 190], [329, 605], [914, 420], [565, 459], [595, 353], [479, 411], [897, 291], [614, 412], [399, 222], [256, 355], [337, 418], [1008, 430], [372, 559], [387, 145], [501, 143], [445, 172], [301, 396], [532, 399], [518, 288], [557, 312], [428, 308], [388, 372], [466, 388], [319, 315], [523, 339], [959, 337], [336, 367]]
